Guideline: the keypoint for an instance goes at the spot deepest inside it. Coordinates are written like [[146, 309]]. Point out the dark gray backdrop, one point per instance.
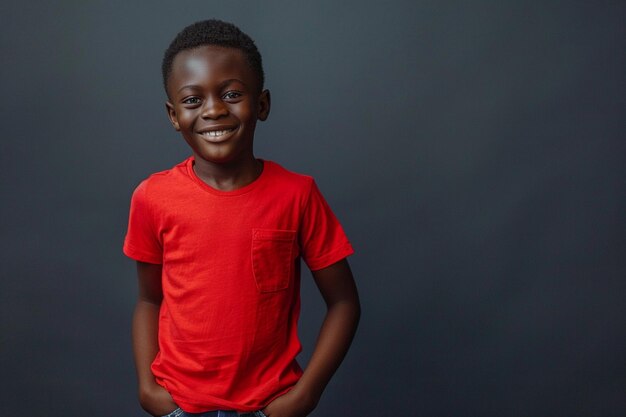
[[474, 152]]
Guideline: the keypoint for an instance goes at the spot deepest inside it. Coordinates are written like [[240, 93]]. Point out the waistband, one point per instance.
[[217, 413]]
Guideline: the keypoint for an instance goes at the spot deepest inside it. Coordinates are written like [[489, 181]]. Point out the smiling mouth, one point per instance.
[[217, 135]]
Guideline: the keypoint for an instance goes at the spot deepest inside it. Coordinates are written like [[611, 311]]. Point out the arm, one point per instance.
[[343, 310], [152, 397]]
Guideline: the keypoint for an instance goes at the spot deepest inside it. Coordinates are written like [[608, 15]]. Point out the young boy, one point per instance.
[[218, 240]]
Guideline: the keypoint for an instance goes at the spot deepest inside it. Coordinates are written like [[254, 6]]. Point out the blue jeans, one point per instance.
[[180, 413]]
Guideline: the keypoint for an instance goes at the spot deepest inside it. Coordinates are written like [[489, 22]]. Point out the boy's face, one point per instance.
[[214, 101]]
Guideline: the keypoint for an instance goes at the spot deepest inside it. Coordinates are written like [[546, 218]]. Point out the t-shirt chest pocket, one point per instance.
[[272, 258]]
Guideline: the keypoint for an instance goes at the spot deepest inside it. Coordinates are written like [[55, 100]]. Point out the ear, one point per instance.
[[265, 102], [171, 114]]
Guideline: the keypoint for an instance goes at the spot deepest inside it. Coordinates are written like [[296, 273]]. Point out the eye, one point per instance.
[[231, 95], [191, 100]]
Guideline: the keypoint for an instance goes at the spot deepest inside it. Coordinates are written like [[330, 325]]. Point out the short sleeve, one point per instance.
[[321, 238], [142, 242]]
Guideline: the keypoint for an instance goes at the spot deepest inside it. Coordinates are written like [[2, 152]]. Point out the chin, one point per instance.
[[218, 159]]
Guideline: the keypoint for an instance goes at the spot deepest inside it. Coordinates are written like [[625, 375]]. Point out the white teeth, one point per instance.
[[216, 133]]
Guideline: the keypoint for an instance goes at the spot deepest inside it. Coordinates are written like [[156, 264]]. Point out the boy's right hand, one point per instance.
[[153, 397], [156, 400]]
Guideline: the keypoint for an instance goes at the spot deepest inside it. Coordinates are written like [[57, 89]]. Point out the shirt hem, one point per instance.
[[331, 258], [141, 256]]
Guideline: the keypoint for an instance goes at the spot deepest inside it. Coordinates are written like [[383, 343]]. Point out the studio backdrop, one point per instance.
[[473, 151]]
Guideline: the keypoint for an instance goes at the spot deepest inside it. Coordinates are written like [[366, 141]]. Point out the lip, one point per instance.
[[216, 133]]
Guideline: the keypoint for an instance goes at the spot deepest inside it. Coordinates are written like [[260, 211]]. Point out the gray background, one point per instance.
[[474, 152]]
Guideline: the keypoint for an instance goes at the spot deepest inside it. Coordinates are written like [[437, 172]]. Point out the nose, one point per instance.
[[214, 108]]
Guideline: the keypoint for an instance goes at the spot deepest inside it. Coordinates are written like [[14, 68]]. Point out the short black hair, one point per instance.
[[213, 32]]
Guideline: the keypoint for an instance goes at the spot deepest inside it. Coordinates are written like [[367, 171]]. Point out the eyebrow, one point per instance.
[[221, 85]]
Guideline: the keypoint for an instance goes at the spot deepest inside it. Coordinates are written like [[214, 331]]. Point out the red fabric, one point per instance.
[[231, 279]]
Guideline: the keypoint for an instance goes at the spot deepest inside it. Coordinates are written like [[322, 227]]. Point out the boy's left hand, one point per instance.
[[291, 404], [337, 287]]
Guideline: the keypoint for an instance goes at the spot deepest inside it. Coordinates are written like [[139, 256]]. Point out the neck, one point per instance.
[[228, 176]]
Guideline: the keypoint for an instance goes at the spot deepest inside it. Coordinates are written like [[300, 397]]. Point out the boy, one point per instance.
[[218, 240]]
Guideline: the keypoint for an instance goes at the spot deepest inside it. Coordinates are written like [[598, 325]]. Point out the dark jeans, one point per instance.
[[180, 413]]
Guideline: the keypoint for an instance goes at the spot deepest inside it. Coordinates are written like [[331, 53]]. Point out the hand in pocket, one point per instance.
[[157, 401]]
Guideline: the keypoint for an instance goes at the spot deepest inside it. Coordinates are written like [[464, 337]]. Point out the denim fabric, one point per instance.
[[176, 413], [220, 413]]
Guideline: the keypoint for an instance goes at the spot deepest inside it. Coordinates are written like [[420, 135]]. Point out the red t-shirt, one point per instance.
[[231, 279]]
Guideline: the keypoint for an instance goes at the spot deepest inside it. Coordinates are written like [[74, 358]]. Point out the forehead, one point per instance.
[[210, 64]]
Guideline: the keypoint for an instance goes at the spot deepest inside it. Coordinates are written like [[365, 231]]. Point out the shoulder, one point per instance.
[[286, 187], [289, 179], [161, 182], [164, 179]]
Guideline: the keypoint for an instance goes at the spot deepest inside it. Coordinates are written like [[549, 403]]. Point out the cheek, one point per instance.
[[245, 115], [186, 119]]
